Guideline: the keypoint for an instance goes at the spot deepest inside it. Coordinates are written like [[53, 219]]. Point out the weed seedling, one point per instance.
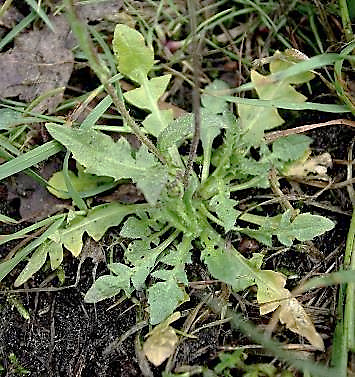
[[178, 220]]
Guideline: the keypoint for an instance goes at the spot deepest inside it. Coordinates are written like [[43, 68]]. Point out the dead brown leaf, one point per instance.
[[39, 62], [161, 341], [36, 203], [293, 315], [99, 10]]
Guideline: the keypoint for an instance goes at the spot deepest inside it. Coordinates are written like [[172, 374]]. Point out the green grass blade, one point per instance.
[[9, 265], [349, 264], [307, 65], [7, 219], [30, 116], [7, 146], [310, 64], [96, 113], [111, 60], [339, 357], [343, 340], [77, 199], [17, 29], [29, 159], [21, 233], [36, 8], [5, 6], [327, 108], [339, 277]]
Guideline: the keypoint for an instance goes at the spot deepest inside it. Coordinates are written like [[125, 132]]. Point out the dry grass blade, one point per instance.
[[272, 136]]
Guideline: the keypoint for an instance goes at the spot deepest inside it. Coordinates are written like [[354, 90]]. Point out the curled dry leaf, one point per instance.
[[313, 166], [160, 345], [291, 312], [293, 315], [161, 341]]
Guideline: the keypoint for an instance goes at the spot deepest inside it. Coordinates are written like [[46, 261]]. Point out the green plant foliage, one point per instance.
[[83, 183], [232, 364], [254, 121], [304, 227], [10, 118], [281, 61], [167, 292], [109, 286], [135, 63], [163, 233], [135, 60], [211, 99], [95, 223], [35, 263], [102, 156]]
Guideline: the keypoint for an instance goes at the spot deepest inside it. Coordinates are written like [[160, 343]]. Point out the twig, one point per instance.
[[272, 136], [195, 94], [274, 183], [349, 176]]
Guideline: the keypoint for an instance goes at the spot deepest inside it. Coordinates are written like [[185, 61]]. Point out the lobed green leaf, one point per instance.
[[163, 299], [95, 224], [102, 156]]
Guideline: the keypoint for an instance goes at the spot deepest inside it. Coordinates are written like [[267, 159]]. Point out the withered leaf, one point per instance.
[[293, 315], [160, 345], [104, 9], [39, 62], [161, 341]]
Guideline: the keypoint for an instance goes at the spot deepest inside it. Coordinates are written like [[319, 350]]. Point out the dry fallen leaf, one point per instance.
[[161, 341], [160, 345], [103, 9], [314, 166], [297, 320], [291, 312], [36, 203], [39, 62]]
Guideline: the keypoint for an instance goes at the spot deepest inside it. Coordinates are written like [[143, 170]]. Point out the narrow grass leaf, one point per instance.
[[10, 118], [334, 278], [31, 228], [17, 29], [29, 159], [7, 219], [9, 265], [35, 263], [40, 13], [327, 108], [96, 113]]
